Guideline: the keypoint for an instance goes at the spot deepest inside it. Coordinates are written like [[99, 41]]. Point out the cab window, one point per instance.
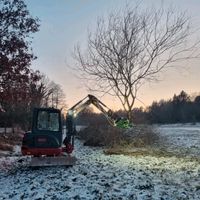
[[48, 121]]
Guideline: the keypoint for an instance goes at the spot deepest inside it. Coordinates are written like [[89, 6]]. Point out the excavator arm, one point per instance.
[[112, 117]]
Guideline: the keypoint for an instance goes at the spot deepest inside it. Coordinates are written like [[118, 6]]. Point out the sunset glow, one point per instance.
[[65, 23]]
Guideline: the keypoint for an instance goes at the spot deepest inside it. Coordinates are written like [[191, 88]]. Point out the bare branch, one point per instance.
[[134, 46]]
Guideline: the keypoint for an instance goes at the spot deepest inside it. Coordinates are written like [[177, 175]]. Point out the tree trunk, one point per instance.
[[129, 115]]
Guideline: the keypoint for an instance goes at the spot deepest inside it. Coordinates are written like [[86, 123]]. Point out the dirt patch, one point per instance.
[[138, 152], [5, 147], [151, 151], [8, 140]]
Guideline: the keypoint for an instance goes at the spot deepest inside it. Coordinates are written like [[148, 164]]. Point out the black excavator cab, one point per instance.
[[45, 137], [44, 142]]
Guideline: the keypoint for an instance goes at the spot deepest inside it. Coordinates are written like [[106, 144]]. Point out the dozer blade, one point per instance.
[[52, 161]]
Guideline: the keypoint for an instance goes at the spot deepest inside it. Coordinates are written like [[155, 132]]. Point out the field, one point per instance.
[[171, 173]]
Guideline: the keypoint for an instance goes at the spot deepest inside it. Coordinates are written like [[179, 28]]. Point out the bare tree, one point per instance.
[[58, 96], [53, 94], [48, 93], [133, 46]]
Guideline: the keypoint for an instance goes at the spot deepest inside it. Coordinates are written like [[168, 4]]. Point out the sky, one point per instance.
[[64, 23]]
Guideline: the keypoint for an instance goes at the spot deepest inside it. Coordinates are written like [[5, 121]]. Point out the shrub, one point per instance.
[[138, 136], [138, 140], [141, 136], [98, 135]]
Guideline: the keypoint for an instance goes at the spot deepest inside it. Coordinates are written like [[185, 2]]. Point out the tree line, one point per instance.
[[181, 108]]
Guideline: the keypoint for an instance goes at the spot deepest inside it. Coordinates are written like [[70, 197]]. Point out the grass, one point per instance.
[[139, 152], [153, 151]]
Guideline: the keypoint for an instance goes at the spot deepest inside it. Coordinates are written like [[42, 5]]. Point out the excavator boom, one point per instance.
[[112, 117]]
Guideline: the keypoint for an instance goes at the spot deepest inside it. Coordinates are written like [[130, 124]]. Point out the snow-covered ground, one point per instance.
[[98, 176], [184, 139]]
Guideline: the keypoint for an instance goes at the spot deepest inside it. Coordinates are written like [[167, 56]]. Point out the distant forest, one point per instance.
[[181, 108]]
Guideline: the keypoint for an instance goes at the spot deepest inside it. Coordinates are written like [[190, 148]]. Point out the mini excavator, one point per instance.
[[44, 143]]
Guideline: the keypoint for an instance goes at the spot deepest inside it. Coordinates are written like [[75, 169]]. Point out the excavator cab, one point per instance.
[[45, 141], [46, 135]]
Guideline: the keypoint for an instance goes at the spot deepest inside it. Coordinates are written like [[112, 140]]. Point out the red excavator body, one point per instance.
[[46, 139]]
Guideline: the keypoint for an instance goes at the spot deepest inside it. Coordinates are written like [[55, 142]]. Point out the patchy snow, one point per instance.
[[181, 138], [97, 176], [8, 130]]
